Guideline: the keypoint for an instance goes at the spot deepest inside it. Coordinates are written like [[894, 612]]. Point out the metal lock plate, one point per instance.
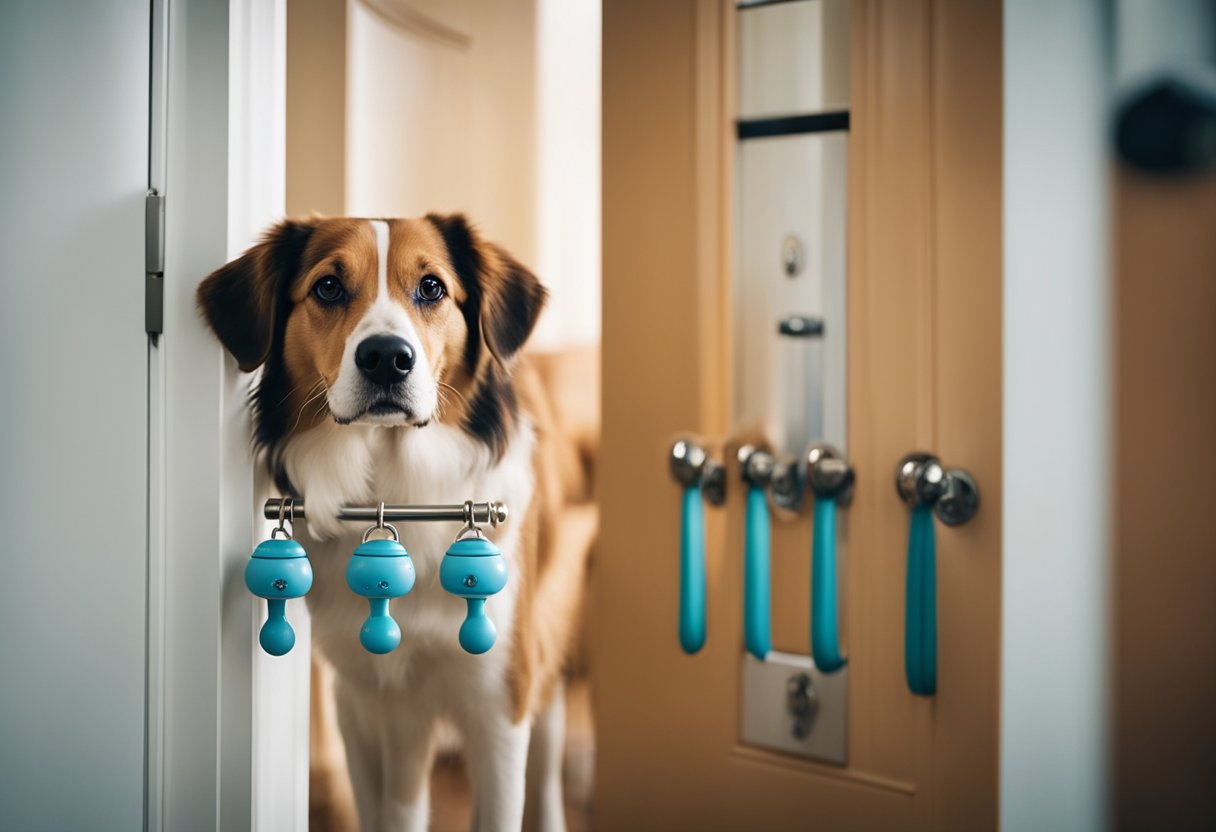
[[792, 707]]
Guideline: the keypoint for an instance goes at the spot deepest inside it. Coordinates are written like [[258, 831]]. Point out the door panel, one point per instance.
[[793, 388], [74, 429], [923, 347]]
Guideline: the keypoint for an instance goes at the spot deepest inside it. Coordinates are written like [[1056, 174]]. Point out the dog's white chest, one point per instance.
[[432, 465]]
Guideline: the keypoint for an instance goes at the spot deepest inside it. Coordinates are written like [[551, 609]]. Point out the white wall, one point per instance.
[[568, 169], [1054, 663], [438, 125], [489, 107]]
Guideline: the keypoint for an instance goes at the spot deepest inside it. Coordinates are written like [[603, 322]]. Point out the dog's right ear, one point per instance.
[[240, 301]]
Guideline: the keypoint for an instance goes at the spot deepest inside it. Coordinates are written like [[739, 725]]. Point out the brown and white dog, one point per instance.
[[390, 371]]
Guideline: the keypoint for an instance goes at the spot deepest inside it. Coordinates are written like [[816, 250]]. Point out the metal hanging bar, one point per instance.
[[493, 513]]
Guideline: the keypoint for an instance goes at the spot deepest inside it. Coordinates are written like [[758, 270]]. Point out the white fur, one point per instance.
[[389, 705], [347, 397]]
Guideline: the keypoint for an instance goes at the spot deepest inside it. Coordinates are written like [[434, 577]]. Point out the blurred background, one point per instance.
[[963, 250]]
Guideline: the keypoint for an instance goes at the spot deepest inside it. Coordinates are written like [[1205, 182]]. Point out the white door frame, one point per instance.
[[227, 725]]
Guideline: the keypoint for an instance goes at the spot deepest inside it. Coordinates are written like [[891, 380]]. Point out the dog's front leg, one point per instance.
[[358, 718], [388, 751], [496, 752], [408, 751]]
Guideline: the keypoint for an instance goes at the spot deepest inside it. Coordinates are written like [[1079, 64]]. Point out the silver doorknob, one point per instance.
[[756, 465], [690, 464], [921, 480], [824, 471]]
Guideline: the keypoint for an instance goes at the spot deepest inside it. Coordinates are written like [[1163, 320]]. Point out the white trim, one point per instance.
[[211, 701], [257, 171], [1057, 423]]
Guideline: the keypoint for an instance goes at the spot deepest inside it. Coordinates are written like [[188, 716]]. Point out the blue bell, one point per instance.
[[380, 570], [278, 570], [474, 569]]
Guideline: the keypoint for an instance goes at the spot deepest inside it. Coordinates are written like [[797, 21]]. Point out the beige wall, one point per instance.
[[487, 107], [316, 107], [439, 122], [1165, 528]]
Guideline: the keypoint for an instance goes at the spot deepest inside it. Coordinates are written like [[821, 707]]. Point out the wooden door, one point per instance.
[[924, 373]]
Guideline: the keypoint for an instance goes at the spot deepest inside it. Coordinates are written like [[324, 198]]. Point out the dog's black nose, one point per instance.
[[384, 359]]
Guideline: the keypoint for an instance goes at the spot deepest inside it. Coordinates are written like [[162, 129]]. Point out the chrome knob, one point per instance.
[[687, 462], [756, 464], [921, 480], [713, 482], [828, 473]]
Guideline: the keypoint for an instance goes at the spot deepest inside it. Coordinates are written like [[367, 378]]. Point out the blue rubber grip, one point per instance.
[[920, 645], [757, 635], [825, 609], [692, 571]]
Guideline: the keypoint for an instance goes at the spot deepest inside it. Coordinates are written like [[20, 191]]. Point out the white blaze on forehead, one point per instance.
[[381, 229], [384, 316]]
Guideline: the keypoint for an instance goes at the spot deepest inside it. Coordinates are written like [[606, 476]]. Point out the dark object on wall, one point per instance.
[[1168, 126]]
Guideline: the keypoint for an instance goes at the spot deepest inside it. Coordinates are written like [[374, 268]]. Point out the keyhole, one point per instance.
[[802, 703], [792, 258]]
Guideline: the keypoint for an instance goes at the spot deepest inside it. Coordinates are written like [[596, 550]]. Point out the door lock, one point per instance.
[[802, 703]]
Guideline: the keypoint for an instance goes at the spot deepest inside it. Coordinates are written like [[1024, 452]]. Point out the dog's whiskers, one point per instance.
[[444, 385], [296, 387], [320, 393]]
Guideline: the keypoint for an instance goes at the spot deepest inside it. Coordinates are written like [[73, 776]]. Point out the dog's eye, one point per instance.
[[328, 290], [430, 289]]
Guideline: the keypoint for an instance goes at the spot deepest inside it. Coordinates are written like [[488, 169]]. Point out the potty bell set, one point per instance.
[[380, 570]]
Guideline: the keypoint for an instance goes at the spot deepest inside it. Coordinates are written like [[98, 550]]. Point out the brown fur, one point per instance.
[[267, 295]]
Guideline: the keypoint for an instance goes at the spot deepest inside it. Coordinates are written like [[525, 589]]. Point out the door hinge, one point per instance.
[[154, 263]]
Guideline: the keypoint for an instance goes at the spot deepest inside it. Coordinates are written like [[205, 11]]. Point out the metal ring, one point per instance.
[[380, 516], [470, 525], [283, 505], [382, 527], [469, 531]]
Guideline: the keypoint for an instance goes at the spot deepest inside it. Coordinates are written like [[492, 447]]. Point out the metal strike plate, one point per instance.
[[771, 721]]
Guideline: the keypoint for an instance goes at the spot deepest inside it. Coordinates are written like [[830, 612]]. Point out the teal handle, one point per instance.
[[920, 645], [692, 571], [825, 610], [276, 636], [757, 636]]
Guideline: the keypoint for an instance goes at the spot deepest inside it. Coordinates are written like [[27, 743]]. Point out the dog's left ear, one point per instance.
[[505, 299], [512, 302], [241, 300]]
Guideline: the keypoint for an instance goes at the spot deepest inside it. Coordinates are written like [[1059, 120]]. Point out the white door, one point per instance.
[[74, 418], [130, 693]]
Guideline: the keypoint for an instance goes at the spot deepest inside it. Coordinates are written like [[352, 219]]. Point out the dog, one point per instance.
[[391, 371]]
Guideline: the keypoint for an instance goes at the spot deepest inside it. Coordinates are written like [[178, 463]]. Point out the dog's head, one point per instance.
[[381, 322]]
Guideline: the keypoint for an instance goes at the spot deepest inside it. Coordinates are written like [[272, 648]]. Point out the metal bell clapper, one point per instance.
[[278, 571], [380, 570], [474, 569]]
